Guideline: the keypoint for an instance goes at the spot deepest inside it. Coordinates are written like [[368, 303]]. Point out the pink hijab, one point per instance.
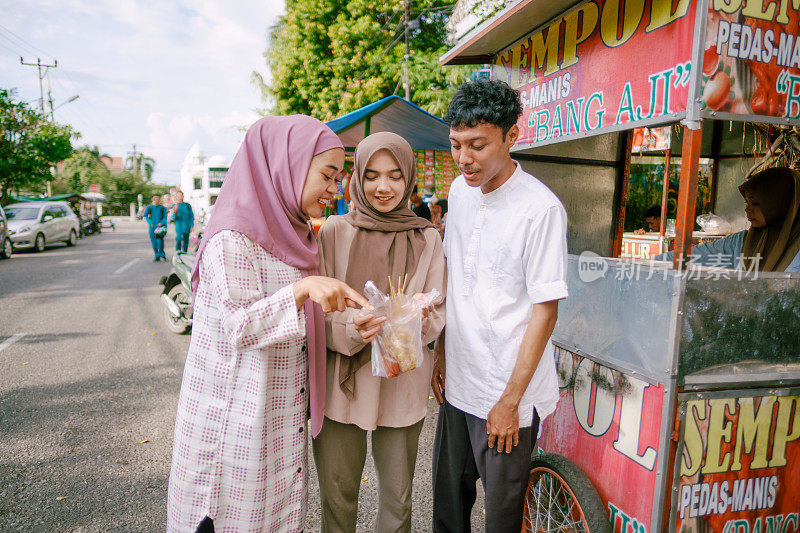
[[260, 198]]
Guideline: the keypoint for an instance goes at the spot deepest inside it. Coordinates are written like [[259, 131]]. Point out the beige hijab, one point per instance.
[[777, 192], [387, 244]]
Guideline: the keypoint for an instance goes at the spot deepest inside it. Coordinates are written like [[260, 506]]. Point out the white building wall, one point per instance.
[[195, 183]]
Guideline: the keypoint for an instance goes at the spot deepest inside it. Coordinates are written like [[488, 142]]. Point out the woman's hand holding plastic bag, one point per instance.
[[367, 324], [396, 329]]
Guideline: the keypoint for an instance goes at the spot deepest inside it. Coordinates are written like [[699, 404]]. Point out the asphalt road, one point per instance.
[[89, 387]]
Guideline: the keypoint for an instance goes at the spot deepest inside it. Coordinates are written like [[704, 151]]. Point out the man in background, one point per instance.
[[156, 216], [419, 207], [184, 222], [653, 218]]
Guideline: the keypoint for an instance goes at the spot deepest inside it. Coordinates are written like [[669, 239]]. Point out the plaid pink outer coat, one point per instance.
[[239, 452]]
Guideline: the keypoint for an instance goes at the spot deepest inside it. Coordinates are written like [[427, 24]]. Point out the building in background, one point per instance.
[[114, 164], [201, 179]]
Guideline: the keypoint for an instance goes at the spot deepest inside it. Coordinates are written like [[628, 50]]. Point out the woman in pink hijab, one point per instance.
[[256, 360]]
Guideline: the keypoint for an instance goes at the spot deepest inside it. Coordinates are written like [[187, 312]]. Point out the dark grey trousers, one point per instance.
[[461, 455]]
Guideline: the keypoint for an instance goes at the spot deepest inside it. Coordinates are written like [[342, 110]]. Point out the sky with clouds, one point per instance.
[[159, 74]]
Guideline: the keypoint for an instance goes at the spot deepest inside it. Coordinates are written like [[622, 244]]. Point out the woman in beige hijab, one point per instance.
[[380, 238], [772, 244]]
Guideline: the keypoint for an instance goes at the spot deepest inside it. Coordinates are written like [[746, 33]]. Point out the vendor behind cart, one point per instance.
[[653, 218], [772, 205]]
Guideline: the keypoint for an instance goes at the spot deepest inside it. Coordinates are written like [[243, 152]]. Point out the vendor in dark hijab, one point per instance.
[[772, 244]]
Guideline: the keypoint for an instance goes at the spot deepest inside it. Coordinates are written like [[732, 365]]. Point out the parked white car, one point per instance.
[[38, 224]]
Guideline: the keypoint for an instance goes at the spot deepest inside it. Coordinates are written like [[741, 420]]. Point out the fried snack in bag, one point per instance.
[[398, 347]]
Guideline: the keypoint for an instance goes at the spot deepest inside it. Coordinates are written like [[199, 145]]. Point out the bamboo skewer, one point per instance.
[[400, 288], [396, 290]]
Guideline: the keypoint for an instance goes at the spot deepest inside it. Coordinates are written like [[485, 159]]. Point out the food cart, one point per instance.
[[680, 387]]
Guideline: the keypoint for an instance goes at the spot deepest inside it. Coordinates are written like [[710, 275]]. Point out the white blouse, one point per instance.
[[239, 452]]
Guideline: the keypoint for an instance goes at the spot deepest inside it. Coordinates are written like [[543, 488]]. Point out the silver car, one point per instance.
[[6, 246], [37, 224]]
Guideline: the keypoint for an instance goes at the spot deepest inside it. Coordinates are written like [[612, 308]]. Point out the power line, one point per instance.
[[15, 52], [93, 119], [385, 51], [18, 50], [97, 121], [47, 67], [404, 22], [26, 43], [438, 9], [85, 118], [380, 31]]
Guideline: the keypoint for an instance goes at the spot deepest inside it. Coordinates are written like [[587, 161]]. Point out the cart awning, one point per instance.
[[87, 196], [94, 197], [422, 130], [500, 31]]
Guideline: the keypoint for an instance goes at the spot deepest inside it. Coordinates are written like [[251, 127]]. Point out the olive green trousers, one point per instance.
[[340, 451]]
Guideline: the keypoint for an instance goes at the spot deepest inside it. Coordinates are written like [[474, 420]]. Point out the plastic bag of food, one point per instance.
[[398, 346], [711, 223]]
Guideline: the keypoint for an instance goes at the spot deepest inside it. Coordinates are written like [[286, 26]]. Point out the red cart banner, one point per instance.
[[599, 65], [751, 63], [609, 424], [740, 464]]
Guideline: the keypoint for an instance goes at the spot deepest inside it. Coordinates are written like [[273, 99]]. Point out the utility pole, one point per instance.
[[40, 66], [408, 55], [50, 100], [46, 67]]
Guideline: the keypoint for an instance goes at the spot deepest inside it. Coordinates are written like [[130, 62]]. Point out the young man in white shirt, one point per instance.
[[506, 249]]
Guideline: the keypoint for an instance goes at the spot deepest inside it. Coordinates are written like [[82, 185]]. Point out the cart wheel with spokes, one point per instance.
[[561, 498]]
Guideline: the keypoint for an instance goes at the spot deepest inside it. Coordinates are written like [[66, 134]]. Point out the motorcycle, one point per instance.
[[89, 226], [176, 296]]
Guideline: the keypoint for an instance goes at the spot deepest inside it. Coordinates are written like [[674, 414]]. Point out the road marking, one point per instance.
[[11, 340], [125, 267]]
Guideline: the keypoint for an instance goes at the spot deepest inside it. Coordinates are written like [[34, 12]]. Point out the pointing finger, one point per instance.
[[354, 297]]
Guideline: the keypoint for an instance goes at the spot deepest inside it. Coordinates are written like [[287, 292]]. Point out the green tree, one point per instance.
[[85, 168], [82, 169], [123, 188], [329, 57], [29, 146], [141, 164], [486, 9]]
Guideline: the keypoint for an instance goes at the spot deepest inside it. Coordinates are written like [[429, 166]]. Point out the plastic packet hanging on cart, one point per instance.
[[711, 223], [398, 347]]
